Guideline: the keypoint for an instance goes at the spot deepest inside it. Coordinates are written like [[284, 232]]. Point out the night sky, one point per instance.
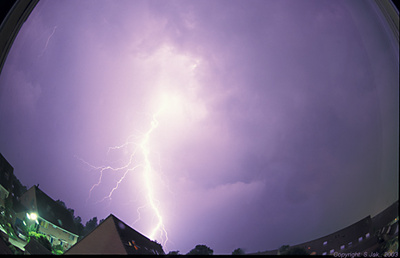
[[274, 122]]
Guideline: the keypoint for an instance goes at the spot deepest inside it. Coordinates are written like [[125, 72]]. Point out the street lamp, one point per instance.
[[32, 216]]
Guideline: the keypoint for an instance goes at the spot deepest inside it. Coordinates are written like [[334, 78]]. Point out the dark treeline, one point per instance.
[[83, 230]]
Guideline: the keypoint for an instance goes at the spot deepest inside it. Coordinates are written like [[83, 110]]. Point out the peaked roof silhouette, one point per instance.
[[113, 236]]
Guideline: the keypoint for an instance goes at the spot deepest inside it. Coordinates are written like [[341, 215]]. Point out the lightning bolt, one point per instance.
[[48, 39], [175, 101], [149, 174]]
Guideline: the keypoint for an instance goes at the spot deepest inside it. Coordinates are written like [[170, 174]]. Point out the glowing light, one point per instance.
[[33, 216]]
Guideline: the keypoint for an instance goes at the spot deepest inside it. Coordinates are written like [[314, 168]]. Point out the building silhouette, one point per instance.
[[6, 180], [366, 235], [115, 237], [50, 218]]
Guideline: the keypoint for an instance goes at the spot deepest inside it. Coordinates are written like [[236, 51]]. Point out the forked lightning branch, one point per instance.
[[149, 174]]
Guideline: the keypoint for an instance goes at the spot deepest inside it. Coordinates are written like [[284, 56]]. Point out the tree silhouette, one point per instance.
[[90, 226], [238, 251], [173, 253], [283, 249], [201, 250], [295, 250], [77, 220], [79, 225]]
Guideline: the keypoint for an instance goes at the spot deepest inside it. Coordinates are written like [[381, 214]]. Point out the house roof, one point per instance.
[[113, 236], [54, 212], [134, 242]]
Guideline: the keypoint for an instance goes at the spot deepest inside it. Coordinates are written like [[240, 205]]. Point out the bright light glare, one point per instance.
[[172, 104], [180, 108], [32, 216]]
